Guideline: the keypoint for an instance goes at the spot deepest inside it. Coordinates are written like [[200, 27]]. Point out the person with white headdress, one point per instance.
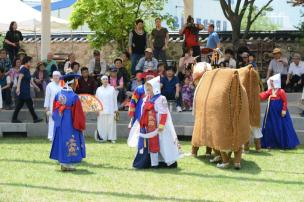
[[278, 130], [156, 139], [51, 90], [106, 119]]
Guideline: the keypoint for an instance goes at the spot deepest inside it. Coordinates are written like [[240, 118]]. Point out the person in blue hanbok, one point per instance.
[[278, 131], [68, 146]]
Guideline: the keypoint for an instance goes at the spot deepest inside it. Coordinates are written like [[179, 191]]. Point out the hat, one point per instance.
[[155, 83], [113, 69], [276, 50], [149, 50], [149, 73], [104, 77], [276, 79], [56, 73], [21, 53]]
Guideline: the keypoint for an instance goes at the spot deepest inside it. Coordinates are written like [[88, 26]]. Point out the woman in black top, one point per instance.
[[12, 41]]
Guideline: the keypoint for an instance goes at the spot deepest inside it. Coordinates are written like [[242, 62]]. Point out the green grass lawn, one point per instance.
[[27, 174]]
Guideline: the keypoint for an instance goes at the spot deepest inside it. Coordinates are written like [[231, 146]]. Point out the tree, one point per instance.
[[112, 20], [262, 23], [236, 14], [297, 2]]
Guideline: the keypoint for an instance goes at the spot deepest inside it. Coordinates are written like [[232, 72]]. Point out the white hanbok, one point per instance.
[[51, 90], [106, 124]]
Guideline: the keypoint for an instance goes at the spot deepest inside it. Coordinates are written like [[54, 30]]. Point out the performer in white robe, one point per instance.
[[106, 123], [156, 140], [51, 90]]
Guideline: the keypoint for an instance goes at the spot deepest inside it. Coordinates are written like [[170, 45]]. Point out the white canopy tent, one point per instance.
[[27, 18]]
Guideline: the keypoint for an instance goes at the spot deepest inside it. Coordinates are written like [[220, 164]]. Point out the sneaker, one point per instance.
[[222, 165], [215, 159], [113, 141], [16, 121], [190, 109], [38, 120], [179, 109]]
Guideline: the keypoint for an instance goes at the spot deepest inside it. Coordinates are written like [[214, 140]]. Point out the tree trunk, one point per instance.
[[236, 34]]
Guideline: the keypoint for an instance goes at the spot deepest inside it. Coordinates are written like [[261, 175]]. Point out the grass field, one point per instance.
[[27, 174]]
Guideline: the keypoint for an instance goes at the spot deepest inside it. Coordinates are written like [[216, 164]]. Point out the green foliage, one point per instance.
[[262, 23], [112, 20]]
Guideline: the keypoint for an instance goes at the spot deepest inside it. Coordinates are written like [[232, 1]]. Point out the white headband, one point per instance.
[[104, 77], [56, 73]]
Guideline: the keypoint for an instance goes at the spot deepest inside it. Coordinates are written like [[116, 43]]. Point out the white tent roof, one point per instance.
[[27, 18]]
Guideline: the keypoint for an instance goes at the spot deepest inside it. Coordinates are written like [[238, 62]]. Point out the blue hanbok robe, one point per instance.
[[136, 103], [69, 121]]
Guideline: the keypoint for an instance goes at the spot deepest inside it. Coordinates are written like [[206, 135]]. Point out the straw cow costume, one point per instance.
[[221, 114]]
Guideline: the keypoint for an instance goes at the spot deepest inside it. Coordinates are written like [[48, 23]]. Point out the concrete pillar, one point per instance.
[[45, 28], [188, 8]]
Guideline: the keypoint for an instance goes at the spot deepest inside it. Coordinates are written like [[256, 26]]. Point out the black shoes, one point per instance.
[[38, 120], [16, 121]]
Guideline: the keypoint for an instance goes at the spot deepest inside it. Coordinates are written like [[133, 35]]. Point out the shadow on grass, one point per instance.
[[79, 172], [115, 194]]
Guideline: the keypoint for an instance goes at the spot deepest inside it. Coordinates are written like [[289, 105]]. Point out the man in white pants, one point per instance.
[[106, 123], [51, 90]]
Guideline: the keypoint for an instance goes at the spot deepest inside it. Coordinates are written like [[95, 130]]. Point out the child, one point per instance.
[[187, 94], [278, 131], [252, 60], [161, 69], [156, 141]]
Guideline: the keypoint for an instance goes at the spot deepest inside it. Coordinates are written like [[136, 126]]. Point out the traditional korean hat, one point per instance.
[[155, 83], [276, 79]]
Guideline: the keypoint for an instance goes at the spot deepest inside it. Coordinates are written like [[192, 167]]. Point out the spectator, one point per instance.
[[126, 62], [12, 41], [50, 64], [252, 61], [171, 88], [41, 78], [278, 65], [5, 85], [4, 61], [118, 84], [21, 54], [185, 62], [228, 60], [23, 91], [97, 65], [191, 32], [75, 67], [161, 70], [245, 60], [187, 94], [148, 62], [13, 74], [86, 83], [243, 48], [137, 81], [121, 71], [160, 39], [213, 41], [68, 63], [138, 42], [295, 77]]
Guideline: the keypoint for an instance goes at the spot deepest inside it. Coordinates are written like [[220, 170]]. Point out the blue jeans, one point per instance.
[[160, 55], [135, 57]]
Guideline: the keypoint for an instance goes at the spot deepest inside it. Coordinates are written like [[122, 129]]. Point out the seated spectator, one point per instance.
[[228, 60], [295, 77], [5, 85], [50, 64], [185, 62], [171, 88], [118, 84], [148, 62], [126, 61], [122, 72], [278, 65], [41, 79], [245, 60], [5, 61], [187, 94], [21, 54], [252, 60], [137, 81], [13, 73], [68, 64], [161, 70], [86, 83], [97, 65], [75, 67]]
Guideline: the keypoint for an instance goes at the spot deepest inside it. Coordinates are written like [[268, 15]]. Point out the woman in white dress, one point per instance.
[[106, 123], [51, 90]]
